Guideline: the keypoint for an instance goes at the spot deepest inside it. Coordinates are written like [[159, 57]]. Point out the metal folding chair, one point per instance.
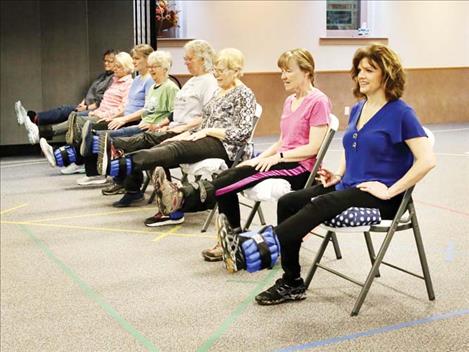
[[258, 198], [406, 218]]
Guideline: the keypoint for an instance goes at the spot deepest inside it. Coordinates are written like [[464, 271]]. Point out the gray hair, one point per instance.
[[125, 60], [161, 58], [203, 51]]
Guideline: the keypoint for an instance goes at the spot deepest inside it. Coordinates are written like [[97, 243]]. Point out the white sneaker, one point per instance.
[[48, 152], [21, 113], [33, 132], [73, 169], [92, 180]]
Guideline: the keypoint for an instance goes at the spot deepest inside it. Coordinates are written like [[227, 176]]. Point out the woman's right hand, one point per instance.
[[328, 178], [250, 162]]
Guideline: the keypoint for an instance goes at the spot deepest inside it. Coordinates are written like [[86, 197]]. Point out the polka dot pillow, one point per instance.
[[355, 216]]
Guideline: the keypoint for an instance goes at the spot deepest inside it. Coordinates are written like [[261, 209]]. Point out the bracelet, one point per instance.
[[339, 176], [281, 155]]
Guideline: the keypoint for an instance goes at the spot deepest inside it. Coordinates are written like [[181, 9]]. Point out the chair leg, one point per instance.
[[147, 181], [252, 214], [209, 218], [374, 268], [421, 252], [335, 243], [371, 250], [261, 215], [318, 257]]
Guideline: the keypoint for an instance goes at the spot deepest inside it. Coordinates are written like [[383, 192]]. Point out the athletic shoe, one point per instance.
[[21, 114], [231, 247], [114, 188], [92, 180], [282, 292], [69, 136], [33, 132], [48, 152], [159, 219], [86, 139], [129, 199], [103, 155], [73, 169], [168, 196], [214, 254]]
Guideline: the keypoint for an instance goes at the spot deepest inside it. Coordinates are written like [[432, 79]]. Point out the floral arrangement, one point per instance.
[[166, 17]]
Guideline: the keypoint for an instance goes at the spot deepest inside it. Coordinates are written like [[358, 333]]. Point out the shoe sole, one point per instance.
[[133, 203], [71, 129], [120, 191], [294, 298], [45, 147], [223, 239], [103, 155], [167, 222], [92, 183], [86, 139], [212, 259]]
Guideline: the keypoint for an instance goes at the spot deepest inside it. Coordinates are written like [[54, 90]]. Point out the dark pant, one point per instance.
[[172, 154], [144, 140], [224, 189], [55, 115], [297, 215]]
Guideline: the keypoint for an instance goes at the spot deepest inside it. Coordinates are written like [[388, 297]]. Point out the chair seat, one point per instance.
[[205, 168], [268, 190]]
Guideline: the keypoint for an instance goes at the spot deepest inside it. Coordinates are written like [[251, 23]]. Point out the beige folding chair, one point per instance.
[[406, 218], [282, 186]]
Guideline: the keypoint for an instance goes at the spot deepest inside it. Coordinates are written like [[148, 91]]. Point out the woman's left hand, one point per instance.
[[377, 189], [198, 135], [265, 164], [116, 124]]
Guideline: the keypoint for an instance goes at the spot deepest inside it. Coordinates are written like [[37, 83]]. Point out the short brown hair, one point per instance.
[[387, 60], [142, 49], [302, 57]]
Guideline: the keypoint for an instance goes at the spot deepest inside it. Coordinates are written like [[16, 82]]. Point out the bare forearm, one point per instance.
[[216, 132], [270, 151]]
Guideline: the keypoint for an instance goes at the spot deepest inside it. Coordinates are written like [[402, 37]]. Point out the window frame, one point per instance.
[[351, 33]]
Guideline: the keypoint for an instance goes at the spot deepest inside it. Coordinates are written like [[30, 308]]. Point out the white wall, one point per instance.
[[424, 33]]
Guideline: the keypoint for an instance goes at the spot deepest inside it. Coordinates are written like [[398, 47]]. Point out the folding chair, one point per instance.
[[282, 187], [214, 166], [406, 218]]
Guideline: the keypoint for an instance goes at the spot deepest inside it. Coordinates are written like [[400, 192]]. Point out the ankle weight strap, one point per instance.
[[65, 155], [121, 167], [95, 145], [261, 249]]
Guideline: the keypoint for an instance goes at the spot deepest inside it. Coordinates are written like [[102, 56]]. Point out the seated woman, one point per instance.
[[159, 104], [386, 152], [226, 127], [31, 119], [303, 125], [188, 104]]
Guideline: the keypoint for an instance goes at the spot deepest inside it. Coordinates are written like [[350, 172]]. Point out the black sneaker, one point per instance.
[[128, 199], [174, 218], [114, 188], [282, 292], [104, 154], [86, 139], [229, 240]]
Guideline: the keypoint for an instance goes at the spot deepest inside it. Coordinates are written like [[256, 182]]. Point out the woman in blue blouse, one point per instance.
[[386, 152]]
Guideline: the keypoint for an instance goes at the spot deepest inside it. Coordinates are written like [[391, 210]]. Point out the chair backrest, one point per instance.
[[333, 127], [257, 117]]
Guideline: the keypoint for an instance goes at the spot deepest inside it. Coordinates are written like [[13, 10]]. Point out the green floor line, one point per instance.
[[237, 312], [243, 281], [90, 292]]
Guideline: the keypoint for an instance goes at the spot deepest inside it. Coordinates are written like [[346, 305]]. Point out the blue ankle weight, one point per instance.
[[261, 249], [65, 155], [120, 167], [95, 145]]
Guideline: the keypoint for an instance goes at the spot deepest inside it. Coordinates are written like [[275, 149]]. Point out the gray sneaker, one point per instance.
[[168, 196]]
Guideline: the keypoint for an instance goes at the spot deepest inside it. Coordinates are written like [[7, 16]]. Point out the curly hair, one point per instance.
[[202, 50], [381, 56]]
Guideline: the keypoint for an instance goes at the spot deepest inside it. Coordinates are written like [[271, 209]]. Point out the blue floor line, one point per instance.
[[384, 329]]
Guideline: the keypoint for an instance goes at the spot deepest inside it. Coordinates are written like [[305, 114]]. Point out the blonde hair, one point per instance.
[[381, 56], [303, 58], [232, 59], [125, 60], [203, 51], [161, 58], [142, 49]]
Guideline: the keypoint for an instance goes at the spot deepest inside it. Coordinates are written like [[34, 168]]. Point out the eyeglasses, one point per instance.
[[218, 71], [154, 67], [188, 58]]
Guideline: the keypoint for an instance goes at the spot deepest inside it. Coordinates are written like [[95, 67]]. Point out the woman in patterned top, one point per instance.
[[227, 124], [303, 126]]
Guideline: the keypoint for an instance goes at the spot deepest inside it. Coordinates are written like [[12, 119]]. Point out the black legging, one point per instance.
[[172, 154], [225, 188], [297, 215]]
